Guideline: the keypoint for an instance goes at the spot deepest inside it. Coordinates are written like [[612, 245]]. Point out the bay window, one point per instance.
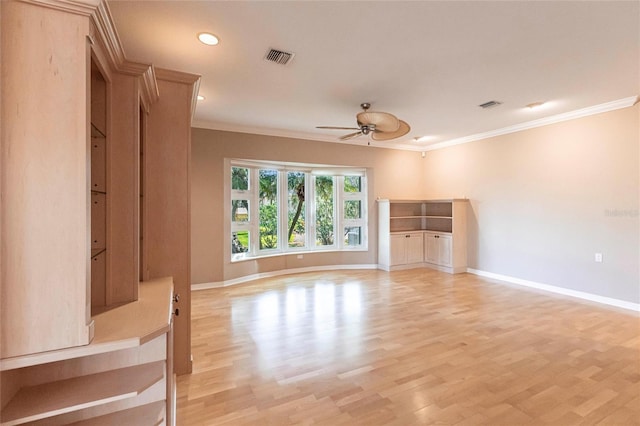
[[277, 209]]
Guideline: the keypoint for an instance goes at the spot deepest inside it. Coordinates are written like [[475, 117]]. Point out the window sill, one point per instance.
[[301, 252]]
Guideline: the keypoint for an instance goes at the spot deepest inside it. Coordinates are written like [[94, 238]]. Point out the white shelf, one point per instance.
[[65, 396]]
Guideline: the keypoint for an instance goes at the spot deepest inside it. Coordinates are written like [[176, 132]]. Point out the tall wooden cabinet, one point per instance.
[[422, 233], [46, 214], [72, 219]]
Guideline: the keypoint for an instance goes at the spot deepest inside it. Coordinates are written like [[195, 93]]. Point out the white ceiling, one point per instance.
[[430, 63]]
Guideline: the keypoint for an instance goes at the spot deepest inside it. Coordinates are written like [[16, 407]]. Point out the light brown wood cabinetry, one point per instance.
[[439, 225], [45, 189], [125, 369], [71, 117]]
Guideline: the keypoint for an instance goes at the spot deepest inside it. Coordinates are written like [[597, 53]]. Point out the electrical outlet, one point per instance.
[[598, 257], [299, 256]]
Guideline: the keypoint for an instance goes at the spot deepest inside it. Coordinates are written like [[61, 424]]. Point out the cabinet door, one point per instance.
[[415, 248], [444, 250], [398, 250], [431, 248]]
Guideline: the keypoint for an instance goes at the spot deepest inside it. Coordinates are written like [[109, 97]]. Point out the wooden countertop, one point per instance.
[[123, 327]]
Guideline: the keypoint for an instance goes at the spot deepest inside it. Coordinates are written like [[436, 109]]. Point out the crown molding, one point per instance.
[[194, 97], [180, 77], [108, 35], [176, 76], [265, 131], [149, 92], [571, 115], [78, 7]]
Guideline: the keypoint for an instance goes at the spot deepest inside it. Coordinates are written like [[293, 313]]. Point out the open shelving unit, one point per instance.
[[98, 194], [64, 396], [416, 233], [413, 215]]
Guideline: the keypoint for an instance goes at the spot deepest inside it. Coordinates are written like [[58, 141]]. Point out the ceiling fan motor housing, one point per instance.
[[367, 128]]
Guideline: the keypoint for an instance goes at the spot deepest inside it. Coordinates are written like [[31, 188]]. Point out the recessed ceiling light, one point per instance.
[[208, 39], [535, 105], [422, 138], [201, 98]]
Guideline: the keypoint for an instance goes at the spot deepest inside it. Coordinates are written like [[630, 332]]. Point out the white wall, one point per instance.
[[545, 200]]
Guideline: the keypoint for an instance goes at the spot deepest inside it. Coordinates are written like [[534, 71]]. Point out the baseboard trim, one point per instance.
[[559, 290], [252, 277]]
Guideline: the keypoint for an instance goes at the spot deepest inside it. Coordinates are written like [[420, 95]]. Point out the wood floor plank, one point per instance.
[[406, 347]]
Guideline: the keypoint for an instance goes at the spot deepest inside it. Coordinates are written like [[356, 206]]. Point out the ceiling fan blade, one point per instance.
[[336, 128], [350, 136], [383, 121], [404, 128]]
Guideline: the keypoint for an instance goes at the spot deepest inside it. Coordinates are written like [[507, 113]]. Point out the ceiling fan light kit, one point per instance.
[[382, 126]]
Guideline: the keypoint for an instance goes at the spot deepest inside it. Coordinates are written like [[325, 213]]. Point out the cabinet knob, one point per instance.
[[407, 236]]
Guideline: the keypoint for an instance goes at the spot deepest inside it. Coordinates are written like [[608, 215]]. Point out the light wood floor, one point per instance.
[[409, 347]]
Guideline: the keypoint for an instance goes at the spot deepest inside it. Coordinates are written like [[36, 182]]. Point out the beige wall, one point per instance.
[[391, 173], [544, 201]]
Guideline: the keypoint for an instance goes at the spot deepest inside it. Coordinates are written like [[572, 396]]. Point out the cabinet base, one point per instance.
[[448, 269]]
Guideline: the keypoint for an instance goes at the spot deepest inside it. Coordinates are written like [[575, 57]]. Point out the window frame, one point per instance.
[[311, 172]]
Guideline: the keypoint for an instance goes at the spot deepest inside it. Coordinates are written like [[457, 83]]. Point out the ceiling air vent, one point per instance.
[[490, 104], [279, 56]]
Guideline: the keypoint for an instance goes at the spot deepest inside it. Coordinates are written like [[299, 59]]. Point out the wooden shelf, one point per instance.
[[151, 414], [65, 396]]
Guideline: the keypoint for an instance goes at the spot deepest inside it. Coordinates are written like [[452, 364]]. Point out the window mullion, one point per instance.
[[339, 212], [337, 231], [310, 223], [283, 214]]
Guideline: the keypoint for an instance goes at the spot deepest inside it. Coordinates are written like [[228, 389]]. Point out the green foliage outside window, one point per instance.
[[295, 186], [352, 184], [324, 210], [240, 178], [268, 199]]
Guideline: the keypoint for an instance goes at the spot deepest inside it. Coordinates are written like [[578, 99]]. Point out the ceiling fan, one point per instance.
[[382, 126]]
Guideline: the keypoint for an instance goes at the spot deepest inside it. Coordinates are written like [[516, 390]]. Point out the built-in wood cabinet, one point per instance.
[[74, 111], [125, 373], [46, 202], [438, 225]]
